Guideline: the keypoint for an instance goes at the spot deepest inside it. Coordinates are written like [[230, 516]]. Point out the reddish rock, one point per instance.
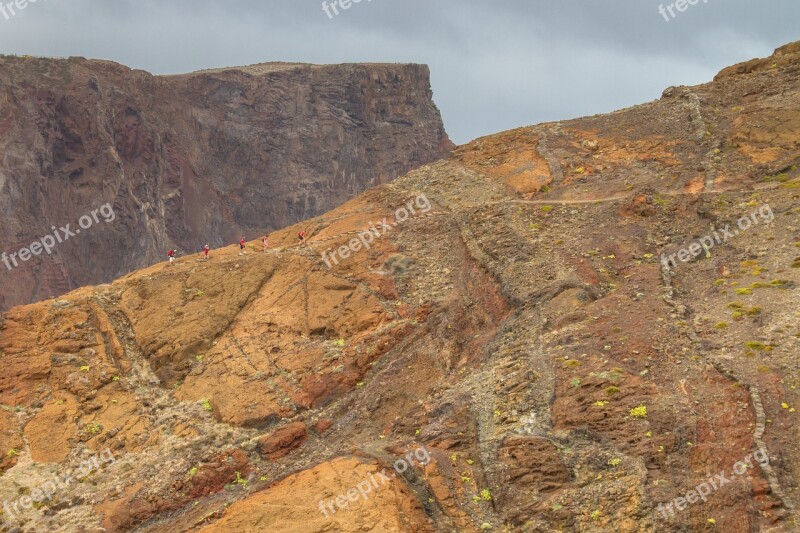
[[282, 442], [323, 425]]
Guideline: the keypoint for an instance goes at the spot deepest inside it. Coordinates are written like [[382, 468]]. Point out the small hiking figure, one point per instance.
[[265, 240], [206, 249], [171, 255], [241, 244], [302, 236]]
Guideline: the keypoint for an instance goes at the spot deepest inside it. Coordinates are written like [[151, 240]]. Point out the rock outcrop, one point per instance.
[[190, 159], [514, 355]]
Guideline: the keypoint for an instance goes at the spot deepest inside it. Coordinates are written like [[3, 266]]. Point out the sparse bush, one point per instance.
[[639, 412], [758, 346]]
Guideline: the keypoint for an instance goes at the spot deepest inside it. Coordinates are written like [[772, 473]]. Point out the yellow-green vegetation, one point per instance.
[[199, 294], [614, 375], [339, 342], [615, 462], [115, 378], [486, 495], [721, 325], [639, 412], [612, 390], [596, 514], [13, 452], [547, 208], [796, 263], [572, 363], [486, 526], [93, 429], [206, 404], [758, 346], [85, 368], [600, 403], [580, 170], [576, 382], [192, 472], [719, 282], [741, 309], [242, 482], [744, 291]]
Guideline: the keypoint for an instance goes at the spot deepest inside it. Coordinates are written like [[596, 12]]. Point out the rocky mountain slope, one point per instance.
[[187, 160], [531, 342]]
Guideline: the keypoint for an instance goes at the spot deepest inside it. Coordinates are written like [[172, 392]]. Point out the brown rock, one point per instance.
[[190, 159], [282, 442], [323, 425]]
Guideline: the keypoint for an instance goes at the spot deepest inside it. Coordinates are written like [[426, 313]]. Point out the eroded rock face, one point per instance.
[[521, 344], [191, 159]]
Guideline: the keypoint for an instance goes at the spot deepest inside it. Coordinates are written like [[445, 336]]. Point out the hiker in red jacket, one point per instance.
[[206, 249], [265, 240], [302, 236], [171, 255], [241, 244]]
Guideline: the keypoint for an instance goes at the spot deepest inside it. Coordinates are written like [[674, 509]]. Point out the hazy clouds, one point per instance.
[[496, 64]]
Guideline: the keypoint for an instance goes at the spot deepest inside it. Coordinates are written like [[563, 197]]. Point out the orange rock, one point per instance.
[[282, 442]]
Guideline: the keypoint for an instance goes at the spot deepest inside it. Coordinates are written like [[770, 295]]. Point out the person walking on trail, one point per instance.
[[265, 240], [206, 249], [302, 236], [171, 255], [241, 244]]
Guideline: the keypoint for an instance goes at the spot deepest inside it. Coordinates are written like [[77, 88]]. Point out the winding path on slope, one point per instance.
[[581, 201]]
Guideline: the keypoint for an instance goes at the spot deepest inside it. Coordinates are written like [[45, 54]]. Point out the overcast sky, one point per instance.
[[495, 64]]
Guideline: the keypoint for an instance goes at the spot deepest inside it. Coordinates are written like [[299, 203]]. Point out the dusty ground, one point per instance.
[[523, 330]]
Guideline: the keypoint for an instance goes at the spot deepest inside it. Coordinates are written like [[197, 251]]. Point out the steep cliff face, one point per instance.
[[190, 159]]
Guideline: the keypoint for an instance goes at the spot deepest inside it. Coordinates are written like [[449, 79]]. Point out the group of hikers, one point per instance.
[[172, 254]]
